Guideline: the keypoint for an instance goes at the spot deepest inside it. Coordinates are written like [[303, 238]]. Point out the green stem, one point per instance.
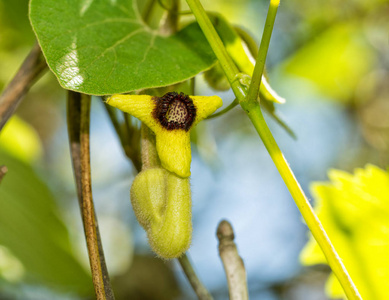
[[253, 110], [222, 112], [218, 48], [149, 149], [256, 79], [312, 221], [200, 290]]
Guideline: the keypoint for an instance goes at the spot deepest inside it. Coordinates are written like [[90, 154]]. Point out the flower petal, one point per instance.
[[205, 106], [173, 147], [139, 106]]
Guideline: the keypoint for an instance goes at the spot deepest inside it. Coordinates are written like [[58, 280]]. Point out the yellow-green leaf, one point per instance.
[[354, 210]]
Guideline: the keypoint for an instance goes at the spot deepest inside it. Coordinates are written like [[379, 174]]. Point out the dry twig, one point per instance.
[[232, 262], [32, 67]]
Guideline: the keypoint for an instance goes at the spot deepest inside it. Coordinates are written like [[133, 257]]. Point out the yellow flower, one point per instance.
[[354, 210], [170, 117]]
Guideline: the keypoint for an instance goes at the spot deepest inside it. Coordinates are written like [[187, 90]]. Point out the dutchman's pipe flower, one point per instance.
[[160, 196], [170, 117]]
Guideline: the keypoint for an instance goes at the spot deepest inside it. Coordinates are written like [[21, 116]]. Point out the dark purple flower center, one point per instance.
[[175, 111]]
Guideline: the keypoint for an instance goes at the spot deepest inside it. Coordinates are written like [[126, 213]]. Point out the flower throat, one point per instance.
[[175, 111]]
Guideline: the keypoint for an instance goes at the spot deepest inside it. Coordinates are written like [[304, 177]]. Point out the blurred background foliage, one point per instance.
[[329, 59], [354, 210]]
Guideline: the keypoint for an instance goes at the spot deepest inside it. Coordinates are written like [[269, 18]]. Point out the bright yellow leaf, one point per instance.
[[20, 140], [354, 210]]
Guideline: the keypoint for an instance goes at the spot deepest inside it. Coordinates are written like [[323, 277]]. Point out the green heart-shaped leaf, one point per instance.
[[103, 47]]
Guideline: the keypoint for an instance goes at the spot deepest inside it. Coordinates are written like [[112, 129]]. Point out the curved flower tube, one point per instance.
[[162, 204]]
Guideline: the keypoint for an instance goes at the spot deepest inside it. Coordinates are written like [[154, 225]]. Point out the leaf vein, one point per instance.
[[128, 36], [149, 47], [110, 20]]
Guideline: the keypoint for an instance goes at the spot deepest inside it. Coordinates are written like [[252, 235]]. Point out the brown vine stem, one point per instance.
[[3, 171], [132, 136], [170, 22], [232, 262], [78, 128], [200, 290], [127, 136], [31, 69]]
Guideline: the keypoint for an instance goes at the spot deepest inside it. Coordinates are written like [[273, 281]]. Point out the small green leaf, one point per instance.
[[104, 47], [32, 232], [234, 47]]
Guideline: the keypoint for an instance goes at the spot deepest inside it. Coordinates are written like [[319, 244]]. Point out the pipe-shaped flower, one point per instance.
[[162, 204], [170, 117]]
